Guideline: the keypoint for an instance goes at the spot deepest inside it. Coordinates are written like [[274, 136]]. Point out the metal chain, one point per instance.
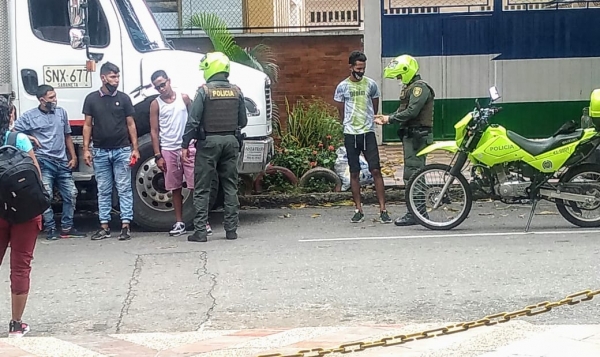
[[489, 320]]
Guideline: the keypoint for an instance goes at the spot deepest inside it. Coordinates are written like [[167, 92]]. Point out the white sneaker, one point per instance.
[[178, 229], [208, 230]]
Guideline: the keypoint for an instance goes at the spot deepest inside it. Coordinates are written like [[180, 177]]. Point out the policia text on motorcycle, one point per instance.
[[216, 118], [415, 116]]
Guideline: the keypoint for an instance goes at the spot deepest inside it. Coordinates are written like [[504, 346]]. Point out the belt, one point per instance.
[[221, 133]]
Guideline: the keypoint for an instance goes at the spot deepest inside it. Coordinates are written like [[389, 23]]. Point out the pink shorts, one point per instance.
[[177, 171]]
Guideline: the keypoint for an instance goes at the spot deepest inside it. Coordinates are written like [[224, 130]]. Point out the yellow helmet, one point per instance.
[[405, 65], [595, 104], [213, 63]]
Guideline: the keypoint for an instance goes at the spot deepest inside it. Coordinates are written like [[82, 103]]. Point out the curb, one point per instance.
[[392, 195]]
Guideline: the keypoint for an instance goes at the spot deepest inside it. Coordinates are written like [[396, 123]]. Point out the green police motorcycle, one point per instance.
[[507, 167]]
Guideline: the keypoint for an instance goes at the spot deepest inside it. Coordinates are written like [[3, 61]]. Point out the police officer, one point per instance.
[[216, 117], [415, 116]]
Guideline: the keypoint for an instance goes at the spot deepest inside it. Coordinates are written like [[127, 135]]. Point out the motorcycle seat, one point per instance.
[[538, 147]]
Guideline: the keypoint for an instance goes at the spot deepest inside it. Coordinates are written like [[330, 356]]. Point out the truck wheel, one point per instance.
[[321, 172], [272, 170], [152, 203]]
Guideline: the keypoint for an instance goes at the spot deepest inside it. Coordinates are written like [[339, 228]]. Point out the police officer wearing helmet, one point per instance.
[[216, 117], [415, 116]]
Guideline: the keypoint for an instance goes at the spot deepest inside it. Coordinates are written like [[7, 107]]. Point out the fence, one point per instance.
[[259, 15], [410, 7]]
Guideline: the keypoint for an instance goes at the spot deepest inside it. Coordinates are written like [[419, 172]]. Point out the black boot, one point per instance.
[[198, 237], [231, 235], [406, 220]]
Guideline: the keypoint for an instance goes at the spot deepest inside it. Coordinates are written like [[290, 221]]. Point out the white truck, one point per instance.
[[63, 43]]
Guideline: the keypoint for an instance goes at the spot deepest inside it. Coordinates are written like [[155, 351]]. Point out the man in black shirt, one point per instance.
[[109, 122]]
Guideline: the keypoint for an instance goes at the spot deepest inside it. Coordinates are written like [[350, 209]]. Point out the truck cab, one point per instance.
[[62, 42]]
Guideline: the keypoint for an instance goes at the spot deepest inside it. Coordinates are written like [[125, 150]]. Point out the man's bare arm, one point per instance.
[[87, 132], [132, 132], [154, 127]]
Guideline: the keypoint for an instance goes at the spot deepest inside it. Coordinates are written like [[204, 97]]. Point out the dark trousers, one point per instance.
[[217, 155]]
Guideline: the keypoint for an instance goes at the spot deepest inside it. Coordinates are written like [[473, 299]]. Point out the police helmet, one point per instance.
[[595, 104], [213, 63], [404, 65]]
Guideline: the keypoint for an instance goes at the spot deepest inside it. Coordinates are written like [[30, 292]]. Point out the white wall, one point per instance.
[[372, 49]]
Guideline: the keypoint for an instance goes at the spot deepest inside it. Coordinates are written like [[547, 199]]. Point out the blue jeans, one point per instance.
[[59, 174], [111, 168]]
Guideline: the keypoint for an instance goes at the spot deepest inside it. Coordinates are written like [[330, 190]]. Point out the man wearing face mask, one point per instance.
[[109, 123], [358, 101], [48, 127]]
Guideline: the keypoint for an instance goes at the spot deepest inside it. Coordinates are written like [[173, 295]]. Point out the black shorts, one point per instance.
[[363, 143]]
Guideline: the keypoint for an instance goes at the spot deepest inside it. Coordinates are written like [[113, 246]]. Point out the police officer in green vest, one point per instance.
[[216, 118], [415, 116]]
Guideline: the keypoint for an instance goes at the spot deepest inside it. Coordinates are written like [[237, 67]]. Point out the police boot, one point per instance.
[[198, 237], [231, 235], [406, 220]]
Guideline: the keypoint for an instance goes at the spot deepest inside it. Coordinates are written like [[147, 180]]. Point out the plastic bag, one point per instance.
[[342, 169]]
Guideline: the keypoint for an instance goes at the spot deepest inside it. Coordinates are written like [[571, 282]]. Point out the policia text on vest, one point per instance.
[[217, 116]]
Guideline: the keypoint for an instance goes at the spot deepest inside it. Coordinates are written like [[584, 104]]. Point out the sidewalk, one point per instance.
[[392, 163], [512, 339]]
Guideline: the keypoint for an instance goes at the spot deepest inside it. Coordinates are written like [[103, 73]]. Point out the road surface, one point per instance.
[[310, 268]]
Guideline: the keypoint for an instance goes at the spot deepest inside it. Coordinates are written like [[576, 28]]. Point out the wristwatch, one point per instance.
[[157, 156]]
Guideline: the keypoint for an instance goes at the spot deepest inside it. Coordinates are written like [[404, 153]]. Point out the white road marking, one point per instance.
[[452, 235]]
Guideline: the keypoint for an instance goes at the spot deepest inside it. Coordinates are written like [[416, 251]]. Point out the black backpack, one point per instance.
[[22, 192]]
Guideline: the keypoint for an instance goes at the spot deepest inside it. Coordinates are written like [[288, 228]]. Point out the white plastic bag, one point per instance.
[[342, 169]]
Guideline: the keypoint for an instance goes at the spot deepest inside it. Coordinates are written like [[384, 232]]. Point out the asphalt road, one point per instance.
[[311, 267]]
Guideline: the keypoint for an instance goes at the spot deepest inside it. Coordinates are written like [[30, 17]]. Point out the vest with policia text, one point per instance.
[[425, 116], [221, 105]]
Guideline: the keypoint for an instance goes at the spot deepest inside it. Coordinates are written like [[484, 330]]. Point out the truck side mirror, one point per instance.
[[76, 37], [77, 12]]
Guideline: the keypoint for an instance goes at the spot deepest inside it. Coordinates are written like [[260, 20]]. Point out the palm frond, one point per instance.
[[264, 60], [216, 30]]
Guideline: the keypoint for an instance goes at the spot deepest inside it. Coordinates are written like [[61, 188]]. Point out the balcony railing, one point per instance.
[[260, 15]]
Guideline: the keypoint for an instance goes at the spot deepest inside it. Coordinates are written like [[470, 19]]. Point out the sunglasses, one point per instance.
[[160, 86]]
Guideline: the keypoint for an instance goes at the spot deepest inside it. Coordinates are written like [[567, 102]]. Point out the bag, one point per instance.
[[342, 169], [22, 193]]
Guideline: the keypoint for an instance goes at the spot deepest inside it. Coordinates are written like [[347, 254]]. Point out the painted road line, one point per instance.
[[454, 235]]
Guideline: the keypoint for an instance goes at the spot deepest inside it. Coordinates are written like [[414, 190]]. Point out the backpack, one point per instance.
[[22, 192]]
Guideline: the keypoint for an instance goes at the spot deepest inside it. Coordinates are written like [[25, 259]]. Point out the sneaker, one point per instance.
[[125, 234], [384, 217], [178, 229], [358, 217], [51, 234], [208, 230], [17, 329], [72, 233], [101, 234]]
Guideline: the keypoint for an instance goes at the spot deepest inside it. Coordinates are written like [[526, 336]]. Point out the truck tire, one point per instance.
[[152, 203], [321, 172]]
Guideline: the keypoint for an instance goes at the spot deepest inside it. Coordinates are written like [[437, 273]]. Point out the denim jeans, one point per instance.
[[111, 168], [57, 173]]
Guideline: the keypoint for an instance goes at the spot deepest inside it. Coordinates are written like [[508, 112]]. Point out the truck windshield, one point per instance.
[[141, 26]]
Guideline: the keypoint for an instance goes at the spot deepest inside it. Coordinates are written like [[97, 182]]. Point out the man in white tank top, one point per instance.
[[168, 116]]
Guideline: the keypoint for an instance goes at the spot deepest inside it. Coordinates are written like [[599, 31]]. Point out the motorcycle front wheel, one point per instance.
[[424, 189]]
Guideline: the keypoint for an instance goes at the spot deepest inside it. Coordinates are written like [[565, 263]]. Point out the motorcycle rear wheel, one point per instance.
[[412, 193], [566, 208]]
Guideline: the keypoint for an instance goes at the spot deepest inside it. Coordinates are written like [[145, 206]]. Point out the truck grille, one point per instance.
[[268, 101]]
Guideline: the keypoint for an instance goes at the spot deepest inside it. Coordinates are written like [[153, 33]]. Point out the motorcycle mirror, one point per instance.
[[494, 95], [477, 103]]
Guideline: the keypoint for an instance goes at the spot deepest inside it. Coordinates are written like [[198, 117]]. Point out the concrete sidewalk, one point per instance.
[[392, 163], [512, 339]]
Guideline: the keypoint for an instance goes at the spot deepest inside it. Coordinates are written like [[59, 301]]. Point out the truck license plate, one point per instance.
[[253, 152], [74, 76]]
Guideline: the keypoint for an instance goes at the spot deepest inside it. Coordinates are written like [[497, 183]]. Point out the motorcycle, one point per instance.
[[510, 168]]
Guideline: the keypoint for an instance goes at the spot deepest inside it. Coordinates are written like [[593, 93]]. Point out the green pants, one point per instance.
[[412, 162], [217, 155]]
